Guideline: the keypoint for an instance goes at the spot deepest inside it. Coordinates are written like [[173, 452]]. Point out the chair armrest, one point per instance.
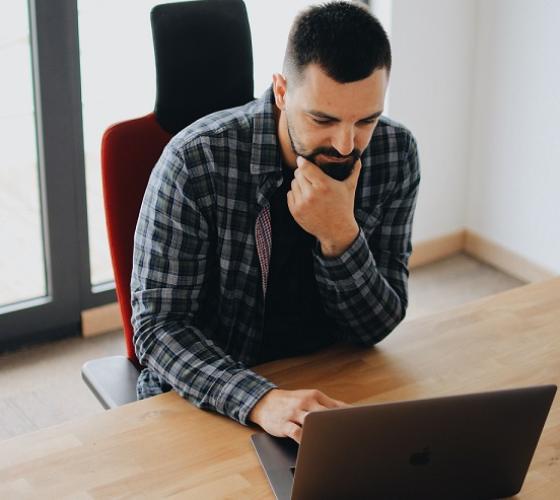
[[112, 380]]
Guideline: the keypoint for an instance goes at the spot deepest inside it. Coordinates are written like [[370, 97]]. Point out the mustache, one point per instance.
[[333, 153], [339, 170]]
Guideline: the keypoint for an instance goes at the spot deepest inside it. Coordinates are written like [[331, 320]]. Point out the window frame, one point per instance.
[[55, 60]]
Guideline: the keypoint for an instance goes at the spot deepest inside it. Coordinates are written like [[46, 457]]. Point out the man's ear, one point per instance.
[[279, 87]]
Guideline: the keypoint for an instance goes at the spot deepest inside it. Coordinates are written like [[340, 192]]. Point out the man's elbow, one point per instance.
[[143, 339], [372, 336]]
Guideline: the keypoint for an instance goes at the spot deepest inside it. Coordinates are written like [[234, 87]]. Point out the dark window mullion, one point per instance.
[[65, 96], [54, 60]]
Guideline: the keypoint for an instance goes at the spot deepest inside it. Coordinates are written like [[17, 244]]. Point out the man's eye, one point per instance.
[[369, 122], [321, 121]]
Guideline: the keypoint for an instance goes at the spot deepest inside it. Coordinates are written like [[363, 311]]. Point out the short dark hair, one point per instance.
[[343, 38]]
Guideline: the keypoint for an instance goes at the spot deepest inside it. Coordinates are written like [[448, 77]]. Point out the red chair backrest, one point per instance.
[[129, 151]]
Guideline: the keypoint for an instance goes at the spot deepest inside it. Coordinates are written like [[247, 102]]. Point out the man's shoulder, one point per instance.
[[391, 159], [233, 123], [393, 135]]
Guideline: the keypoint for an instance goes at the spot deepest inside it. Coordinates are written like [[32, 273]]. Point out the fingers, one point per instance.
[[294, 428], [329, 402], [300, 415], [342, 404], [312, 173], [302, 182], [320, 402], [355, 174], [291, 201], [301, 188], [293, 431], [296, 189]]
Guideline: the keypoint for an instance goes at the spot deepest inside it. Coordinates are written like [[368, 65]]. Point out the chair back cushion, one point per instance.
[[129, 151]]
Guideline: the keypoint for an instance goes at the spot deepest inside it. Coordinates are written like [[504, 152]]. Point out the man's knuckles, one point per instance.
[[310, 196], [313, 396], [315, 393]]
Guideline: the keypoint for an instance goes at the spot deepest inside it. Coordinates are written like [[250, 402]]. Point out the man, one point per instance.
[[277, 228]]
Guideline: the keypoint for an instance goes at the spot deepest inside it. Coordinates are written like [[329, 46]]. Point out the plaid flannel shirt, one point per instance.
[[203, 244]]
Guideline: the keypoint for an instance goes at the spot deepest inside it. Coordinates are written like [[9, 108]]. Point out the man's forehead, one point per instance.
[[316, 91]]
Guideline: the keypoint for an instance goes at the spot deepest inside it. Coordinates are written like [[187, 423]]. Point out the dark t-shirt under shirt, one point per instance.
[[295, 321]]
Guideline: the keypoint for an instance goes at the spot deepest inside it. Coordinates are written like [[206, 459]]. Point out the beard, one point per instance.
[[339, 170]]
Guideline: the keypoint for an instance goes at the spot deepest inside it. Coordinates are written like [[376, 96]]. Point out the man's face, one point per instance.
[[331, 123]]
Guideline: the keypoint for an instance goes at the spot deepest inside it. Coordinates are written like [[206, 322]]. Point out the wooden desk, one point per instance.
[[164, 447]]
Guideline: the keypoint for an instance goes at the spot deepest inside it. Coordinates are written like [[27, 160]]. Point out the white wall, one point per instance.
[[514, 194], [430, 92], [270, 24], [478, 82]]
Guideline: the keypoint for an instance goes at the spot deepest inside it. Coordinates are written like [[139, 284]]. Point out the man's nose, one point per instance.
[[343, 142]]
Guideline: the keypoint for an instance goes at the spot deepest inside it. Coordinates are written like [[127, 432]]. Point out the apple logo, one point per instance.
[[421, 457]]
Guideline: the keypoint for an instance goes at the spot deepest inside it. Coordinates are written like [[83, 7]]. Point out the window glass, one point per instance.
[[22, 262]]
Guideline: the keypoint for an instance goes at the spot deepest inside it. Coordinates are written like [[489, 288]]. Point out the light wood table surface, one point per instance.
[[164, 447]]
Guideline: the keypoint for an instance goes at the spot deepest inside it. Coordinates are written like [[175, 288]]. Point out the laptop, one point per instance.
[[465, 446]]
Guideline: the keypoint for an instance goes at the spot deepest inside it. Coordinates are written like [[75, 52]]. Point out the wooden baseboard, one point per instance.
[[501, 258], [436, 249], [101, 319]]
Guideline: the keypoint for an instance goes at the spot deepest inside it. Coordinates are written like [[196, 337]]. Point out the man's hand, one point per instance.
[[324, 207], [281, 413]]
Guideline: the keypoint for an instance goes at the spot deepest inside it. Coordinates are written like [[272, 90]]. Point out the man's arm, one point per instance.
[[172, 253], [365, 287]]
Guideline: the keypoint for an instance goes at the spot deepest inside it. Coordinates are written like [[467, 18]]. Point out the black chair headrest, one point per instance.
[[204, 59]]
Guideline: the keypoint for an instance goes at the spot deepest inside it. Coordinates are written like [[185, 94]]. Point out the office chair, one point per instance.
[[204, 63]]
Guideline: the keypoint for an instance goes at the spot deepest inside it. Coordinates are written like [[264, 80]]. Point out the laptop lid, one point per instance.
[[466, 446]]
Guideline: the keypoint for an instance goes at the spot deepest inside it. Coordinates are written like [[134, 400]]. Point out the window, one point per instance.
[[22, 265]]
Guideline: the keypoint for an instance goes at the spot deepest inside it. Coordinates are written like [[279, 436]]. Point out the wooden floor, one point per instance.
[[41, 386]]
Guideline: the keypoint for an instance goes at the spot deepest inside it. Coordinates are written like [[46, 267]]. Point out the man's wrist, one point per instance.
[[336, 247], [254, 414]]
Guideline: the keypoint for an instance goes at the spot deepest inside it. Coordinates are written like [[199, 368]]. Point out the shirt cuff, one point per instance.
[[240, 393], [349, 270]]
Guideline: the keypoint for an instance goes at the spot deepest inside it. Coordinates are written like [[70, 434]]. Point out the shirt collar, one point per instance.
[[265, 154]]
